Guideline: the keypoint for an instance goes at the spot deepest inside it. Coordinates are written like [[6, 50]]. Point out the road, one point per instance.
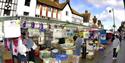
[[106, 57]]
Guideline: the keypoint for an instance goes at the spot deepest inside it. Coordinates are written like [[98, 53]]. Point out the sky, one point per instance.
[[100, 9]]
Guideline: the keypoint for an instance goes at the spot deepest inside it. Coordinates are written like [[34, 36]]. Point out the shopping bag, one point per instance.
[[118, 48]]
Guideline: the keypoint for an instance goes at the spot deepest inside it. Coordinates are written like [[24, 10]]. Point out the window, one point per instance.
[[6, 12], [44, 7], [26, 13], [8, 1], [27, 2], [66, 13], [49, 9], [54, 10]]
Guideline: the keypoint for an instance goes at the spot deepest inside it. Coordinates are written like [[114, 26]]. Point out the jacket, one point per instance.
[[116, 42]]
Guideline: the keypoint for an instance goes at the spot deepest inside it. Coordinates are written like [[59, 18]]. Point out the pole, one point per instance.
[[113, 20]]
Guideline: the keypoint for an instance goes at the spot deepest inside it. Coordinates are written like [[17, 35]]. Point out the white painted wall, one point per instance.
[[63, 14], [49, 13], [77, 19], [21, 8], [59, 15], [44, 8], [38, 9], [54, 15]]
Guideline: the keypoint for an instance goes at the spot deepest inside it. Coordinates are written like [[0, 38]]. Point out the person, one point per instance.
[[75, 37], [84, 51], [116, 44], [78, 44], [1, 51]]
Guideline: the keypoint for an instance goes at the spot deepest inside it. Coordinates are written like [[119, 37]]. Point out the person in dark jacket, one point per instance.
[[75, 37], [84, 51]]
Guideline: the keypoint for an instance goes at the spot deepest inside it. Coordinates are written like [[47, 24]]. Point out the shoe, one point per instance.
[[114, 58]]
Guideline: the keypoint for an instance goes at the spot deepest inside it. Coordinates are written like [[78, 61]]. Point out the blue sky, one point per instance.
[[100, 9]]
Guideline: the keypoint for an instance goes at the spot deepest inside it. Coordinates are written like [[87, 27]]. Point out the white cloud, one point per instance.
[[107, 18], [102, 3]]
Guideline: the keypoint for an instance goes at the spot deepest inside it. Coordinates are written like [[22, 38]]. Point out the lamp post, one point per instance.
[[113, 15]]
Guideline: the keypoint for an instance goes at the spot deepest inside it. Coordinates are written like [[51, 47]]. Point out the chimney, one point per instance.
[[52, 0], [68, 1], [57, 1]]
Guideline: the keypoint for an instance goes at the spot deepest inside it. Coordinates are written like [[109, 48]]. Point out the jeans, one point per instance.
[[1, 59], [114, 52]]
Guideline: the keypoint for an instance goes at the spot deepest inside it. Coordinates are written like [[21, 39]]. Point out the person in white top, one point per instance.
[[116, 44]]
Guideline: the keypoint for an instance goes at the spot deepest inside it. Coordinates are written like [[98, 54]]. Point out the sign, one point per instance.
[[86, 35], [12, 28], [103, 37]]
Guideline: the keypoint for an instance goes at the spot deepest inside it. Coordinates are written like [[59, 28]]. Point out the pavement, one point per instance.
[[106, 56]]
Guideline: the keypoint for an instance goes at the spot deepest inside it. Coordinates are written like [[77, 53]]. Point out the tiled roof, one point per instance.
[[50, 3], [58, 5], [75, 12], [62, 5]]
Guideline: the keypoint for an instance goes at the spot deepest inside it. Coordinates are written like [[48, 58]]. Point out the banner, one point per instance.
[[103, 37], [12, 28]]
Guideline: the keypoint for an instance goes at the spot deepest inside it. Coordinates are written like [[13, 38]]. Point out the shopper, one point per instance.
[[75, 37], [84, 51], [1, 51], [78, 44], [116, 44]]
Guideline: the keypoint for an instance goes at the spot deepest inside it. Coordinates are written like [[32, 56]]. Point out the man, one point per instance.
[[78, 44]]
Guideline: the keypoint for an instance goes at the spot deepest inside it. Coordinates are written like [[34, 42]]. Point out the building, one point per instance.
[[17, 7], [52, 9], [8, 7], [26, 8]]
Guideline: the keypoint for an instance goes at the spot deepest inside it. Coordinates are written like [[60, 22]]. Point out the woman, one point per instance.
[[116, 44]]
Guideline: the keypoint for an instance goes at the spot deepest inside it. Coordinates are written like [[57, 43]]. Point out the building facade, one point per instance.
[[26, 8], [8, 7], [60, 11], [17, 7]]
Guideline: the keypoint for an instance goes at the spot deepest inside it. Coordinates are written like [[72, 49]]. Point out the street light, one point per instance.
[[113, 18]]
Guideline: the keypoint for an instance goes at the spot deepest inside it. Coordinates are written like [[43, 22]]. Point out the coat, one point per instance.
[[116, 43]]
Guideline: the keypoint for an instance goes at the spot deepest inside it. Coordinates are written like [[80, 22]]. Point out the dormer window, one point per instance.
[[49, 9], [54, 10], [27, 2]]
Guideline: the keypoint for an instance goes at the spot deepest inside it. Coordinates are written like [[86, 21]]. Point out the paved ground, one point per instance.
[[106, 57]]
